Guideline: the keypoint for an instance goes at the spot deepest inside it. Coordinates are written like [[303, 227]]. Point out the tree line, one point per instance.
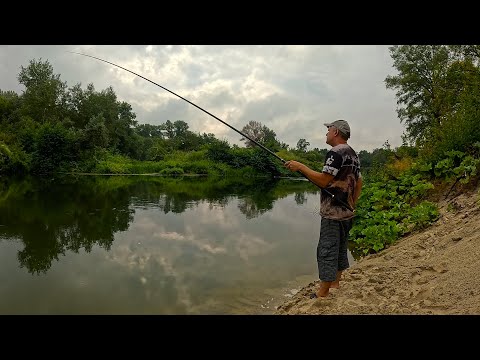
[[51, 127]]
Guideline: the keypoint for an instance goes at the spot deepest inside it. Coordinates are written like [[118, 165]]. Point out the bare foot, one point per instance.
[[334, 285], [318, 295], [323, 289]]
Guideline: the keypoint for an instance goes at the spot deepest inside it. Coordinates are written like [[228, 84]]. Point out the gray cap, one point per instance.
[[341, 125]]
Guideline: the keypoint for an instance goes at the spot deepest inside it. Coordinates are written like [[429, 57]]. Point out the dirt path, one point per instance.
[[436, 271]]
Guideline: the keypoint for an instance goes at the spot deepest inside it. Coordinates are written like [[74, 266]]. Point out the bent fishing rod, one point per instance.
[[223, 122]]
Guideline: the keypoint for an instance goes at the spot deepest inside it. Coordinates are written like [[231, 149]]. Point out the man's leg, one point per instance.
[[343, 264], [336, 284], [327, 254]]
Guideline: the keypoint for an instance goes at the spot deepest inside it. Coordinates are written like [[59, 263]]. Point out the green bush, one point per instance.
[[172, 171]]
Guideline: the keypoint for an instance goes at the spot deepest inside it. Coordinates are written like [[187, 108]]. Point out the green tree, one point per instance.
[[302, 145], [122, 130], [90, 110], [366, 159], [180, 128], [437, 95], [169, 129], [469, 53], [52, 147], [149, 131], [261, 134], [44, 97], [421, 86], [9, 103], [158, 149], [95, 133], [460, 128]]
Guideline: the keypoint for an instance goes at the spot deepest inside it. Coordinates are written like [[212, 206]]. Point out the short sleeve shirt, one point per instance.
[[343, 163]]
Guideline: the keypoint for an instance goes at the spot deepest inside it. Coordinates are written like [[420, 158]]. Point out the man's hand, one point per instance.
[[293, 165], [320, 179]]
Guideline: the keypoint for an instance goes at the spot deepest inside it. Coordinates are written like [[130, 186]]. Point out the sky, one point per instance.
[[291, 89]]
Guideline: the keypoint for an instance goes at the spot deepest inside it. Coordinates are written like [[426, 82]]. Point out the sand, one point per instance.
[[435, 271]]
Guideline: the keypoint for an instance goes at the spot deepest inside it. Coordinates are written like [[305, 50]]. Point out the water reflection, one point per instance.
[[152, 245], [52, 217]]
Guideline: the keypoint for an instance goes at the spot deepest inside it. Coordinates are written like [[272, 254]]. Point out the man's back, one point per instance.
[[342, 162]]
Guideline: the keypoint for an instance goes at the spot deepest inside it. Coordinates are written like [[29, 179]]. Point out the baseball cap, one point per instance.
[[341, 125]]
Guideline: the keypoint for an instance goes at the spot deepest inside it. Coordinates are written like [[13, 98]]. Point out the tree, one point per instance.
[[467, 52], [95, 133], [149, 131], [261, 134], [459, 130], [101, 111], [437, 94], [284, 146], [44, 96], [421, 85], [366, 159], [9, 103], [181, 128], [52, 147], [169, 129], [302, 145]]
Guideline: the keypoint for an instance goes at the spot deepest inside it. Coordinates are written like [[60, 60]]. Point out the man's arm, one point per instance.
[[358, 190], [318, 178]]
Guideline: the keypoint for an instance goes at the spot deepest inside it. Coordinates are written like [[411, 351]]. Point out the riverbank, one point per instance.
[[430, 272]]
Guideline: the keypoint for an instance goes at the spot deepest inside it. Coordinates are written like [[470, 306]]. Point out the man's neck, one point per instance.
[[338, 142]]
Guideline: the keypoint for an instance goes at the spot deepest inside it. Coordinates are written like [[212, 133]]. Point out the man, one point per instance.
[[341, 178]]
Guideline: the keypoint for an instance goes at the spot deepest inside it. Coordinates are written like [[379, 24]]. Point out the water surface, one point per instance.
[[153, 245]]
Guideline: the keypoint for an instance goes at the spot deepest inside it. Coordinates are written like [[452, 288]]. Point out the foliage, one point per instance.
[[95, 133], [421, 86], [219, 151], [438, 93], [454, 165], [261, 134], [53, 147], [459, 129], [302, 145], [9, 104], [386, 210], [44, 97], [84, 124], [314, 159], [12, 160], [172, 171], [393, 204]]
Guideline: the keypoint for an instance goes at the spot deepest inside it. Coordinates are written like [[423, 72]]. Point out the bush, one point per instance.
[[172, 171]]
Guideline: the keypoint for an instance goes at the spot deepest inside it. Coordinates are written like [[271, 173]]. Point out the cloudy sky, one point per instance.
[[292, 89]]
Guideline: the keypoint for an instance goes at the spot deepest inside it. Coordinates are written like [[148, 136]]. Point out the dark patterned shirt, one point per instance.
[[343, 163]]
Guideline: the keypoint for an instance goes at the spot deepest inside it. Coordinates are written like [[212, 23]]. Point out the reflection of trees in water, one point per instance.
[[255, 196], [220, 203], [300, 198], [259, 200], [41, 247], [53, 217], [250, 208], [178, 204], [174, 202]]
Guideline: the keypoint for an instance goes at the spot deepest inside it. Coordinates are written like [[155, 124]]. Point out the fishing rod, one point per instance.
[[223, 122]]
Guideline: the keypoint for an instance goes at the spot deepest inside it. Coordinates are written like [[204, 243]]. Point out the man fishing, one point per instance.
[[341, 183]]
